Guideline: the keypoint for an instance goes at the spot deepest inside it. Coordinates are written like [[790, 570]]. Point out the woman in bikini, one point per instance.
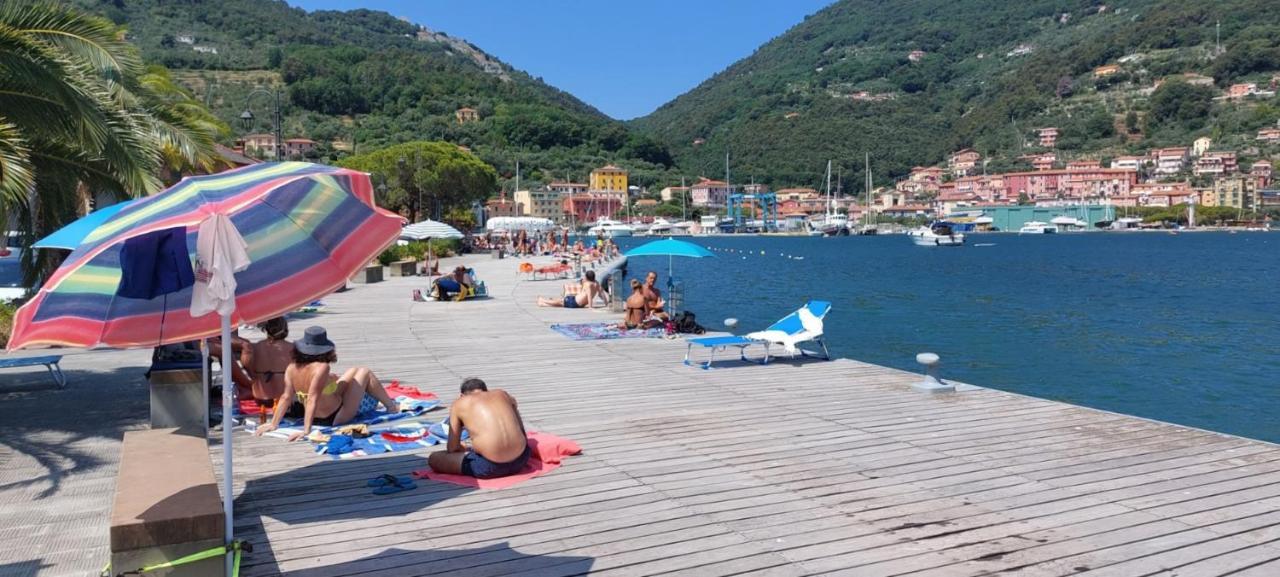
[[320, 397], [268, 360]]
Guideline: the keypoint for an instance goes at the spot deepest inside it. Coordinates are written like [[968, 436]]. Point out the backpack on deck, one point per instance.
[[686, 323]]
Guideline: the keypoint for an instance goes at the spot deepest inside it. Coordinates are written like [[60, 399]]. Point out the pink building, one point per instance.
[[1070, 184], [1261, 173], [710, 193], [590, 207], [1238, 91], [1269, 135], [1216, 163], [1048, 137], [964, 162]]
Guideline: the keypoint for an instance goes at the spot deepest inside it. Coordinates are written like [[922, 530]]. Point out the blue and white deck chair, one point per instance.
[[805, 325]]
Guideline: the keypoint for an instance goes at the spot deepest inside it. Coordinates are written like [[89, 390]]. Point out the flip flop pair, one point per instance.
[[391, 484]]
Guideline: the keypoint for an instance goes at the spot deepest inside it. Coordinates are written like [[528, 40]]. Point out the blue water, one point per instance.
[[1181, 328]]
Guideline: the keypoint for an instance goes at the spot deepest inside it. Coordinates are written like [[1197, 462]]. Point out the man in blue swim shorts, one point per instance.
[[499, 447]]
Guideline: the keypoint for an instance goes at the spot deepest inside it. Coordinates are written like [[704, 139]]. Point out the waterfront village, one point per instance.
[[1198, 174]]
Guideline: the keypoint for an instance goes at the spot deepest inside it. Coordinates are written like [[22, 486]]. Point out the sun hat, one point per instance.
[[315, 341]]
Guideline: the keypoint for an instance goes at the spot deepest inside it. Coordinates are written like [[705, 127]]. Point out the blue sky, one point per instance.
[[625, 58]]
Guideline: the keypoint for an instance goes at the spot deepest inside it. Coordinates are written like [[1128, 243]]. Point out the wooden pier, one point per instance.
[[795, 468]]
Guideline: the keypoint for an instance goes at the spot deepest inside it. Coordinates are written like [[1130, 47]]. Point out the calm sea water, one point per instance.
[[1181, 328]]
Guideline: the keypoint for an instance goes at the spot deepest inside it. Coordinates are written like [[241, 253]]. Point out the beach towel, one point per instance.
[[605, 331], [546, 452], [395, 389], [396, 440], [289, 426]]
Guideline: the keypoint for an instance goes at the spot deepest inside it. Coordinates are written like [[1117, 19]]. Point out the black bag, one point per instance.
[[686, 323]]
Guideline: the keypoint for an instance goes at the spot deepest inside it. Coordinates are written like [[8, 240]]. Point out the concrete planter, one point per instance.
[[371, 274], [403, 268]]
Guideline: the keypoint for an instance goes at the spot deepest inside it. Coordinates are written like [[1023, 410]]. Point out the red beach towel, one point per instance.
[[546, 453], [395, 389]]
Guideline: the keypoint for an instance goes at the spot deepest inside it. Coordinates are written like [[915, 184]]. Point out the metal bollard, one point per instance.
[[931, 383]]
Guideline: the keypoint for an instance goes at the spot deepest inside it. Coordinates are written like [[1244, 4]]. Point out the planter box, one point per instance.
[[370, 275], [403, 268]]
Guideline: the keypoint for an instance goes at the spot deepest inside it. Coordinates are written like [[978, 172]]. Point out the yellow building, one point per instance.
[[1236, 192], [1208, 197], [609, 178]]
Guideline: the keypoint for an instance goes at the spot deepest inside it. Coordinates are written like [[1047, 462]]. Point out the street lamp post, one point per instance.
[[246, 117]]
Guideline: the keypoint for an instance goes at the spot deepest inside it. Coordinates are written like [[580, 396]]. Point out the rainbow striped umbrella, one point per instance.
[[308, 228]]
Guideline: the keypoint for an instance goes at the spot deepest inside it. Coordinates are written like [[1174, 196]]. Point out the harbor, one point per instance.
[[792, 468]]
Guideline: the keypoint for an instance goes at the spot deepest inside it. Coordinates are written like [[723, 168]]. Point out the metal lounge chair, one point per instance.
[[803, 326]]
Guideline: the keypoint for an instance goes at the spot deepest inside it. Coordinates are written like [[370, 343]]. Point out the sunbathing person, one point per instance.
[[319, 397], [269, 359], [241, 357], [581, 296], [637, 314], [458, 283], [499, 447], [654, 296]]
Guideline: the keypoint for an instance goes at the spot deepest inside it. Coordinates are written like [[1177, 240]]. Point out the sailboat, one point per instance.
[[868, 228], [832, 223]]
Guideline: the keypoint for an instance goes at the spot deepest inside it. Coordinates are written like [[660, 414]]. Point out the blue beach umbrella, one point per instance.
[[70, 236]]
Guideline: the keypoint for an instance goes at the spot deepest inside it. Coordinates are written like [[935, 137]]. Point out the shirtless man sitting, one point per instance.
[[654, 296], [499, 447], [637, 310], [582, 296]]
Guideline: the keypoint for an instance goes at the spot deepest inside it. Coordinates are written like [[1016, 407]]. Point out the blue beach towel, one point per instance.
[[605, 331], [288, 426]]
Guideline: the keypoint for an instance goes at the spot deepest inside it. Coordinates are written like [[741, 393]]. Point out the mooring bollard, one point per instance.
[[931, 382]]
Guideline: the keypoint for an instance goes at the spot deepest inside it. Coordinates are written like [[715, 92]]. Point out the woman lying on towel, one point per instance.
[[580, 296], [320, 397]]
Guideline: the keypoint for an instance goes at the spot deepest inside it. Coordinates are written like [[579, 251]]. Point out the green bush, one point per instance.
[[6, 320], [417, 250]]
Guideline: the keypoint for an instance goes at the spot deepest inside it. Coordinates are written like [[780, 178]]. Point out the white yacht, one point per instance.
[[682, 228], [1068, 223], [1037, 227], [936, 234], [832, 223], [610, 229], [660, 227]]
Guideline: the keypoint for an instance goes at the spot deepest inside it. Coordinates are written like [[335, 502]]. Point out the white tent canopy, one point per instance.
[[429, 229], [514, 223]]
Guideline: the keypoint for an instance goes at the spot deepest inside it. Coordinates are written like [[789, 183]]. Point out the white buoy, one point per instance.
[[731, 322]]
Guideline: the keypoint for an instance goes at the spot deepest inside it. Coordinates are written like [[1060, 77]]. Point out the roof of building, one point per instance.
[[299, 141], [232, 157]]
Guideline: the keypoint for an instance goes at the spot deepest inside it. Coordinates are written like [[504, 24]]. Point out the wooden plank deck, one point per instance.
[[795, 468]]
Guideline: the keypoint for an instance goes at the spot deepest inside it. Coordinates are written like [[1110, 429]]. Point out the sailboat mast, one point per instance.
[[867, 169]]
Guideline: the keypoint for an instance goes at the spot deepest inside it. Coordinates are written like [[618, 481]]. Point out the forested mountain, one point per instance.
[[909, 81], [367, 78]]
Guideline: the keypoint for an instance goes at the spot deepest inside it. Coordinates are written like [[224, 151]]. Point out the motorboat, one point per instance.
[[682, 228], [1037, 227], [939, 233], [660, 227], [1126, 223], [610, 229], [1067, 223]]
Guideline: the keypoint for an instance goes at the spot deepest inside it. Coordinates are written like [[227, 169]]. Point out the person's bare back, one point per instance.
[[498, 444], [492, 419]]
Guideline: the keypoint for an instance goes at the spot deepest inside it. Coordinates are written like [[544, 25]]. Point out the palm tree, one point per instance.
[[78, 111]]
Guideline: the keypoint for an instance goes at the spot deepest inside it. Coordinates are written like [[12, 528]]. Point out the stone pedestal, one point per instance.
[[166, 505], [177, 400], [371, 274], [403, 268]]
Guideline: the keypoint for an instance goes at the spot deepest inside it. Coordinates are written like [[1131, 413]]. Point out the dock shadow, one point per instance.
[[29, 568], [62, 430], [331, 491], [487, 561]]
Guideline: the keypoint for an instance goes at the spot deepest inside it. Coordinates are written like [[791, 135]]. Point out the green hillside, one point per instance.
[[842, 83], [366, 78]]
